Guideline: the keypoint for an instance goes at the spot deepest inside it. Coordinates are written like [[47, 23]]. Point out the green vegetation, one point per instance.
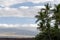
[[45, 18]]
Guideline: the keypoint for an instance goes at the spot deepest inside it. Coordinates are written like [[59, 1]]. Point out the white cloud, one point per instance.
[[20, 12], [23, 11], [24, 7], [7, 3], [17, 25], [9, 25], [56, 1], [37, 1], [31, 27], [38, 7], [10, 2]]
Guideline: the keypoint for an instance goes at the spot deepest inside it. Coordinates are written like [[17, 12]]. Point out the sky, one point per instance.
[[17, 17]]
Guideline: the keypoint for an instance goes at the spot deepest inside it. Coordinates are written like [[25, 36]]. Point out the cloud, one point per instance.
[[56, 1], [9, 25], [37, 1], [38, 7], [10, 2], [18, 12], [18, 29], [29, 4], [31, 27], [22, 11], [17, 25], [24, 7]]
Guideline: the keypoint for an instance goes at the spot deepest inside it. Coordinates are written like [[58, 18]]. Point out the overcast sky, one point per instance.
[[20, 15]]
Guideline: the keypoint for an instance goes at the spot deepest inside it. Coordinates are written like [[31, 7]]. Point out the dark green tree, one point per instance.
[[56, 17], [44, 19], [48, 32]]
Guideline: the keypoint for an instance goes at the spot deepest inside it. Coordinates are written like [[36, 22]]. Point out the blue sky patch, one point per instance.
[[16, 20]]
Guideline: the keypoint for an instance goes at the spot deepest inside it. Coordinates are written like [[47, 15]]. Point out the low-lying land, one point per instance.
[[16, 38]]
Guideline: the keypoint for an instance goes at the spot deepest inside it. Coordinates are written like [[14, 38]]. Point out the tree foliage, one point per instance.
[[48, 31]]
